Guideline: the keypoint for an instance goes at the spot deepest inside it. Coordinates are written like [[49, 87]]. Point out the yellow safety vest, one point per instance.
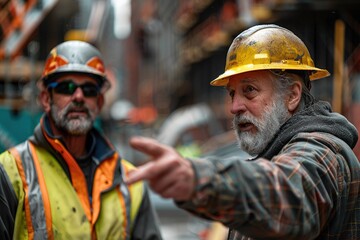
[[52, 206]]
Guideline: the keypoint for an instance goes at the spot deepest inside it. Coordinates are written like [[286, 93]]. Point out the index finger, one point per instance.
[[148, 146], [140, 173]]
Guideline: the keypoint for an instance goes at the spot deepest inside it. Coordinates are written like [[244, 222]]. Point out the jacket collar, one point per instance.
[[98, 144]]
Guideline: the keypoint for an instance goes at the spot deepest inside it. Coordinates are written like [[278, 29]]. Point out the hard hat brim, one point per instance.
[[223, 79], [78, 68]]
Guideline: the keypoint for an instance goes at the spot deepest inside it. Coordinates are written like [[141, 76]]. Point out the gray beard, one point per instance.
[[274, 116], [72, 126]]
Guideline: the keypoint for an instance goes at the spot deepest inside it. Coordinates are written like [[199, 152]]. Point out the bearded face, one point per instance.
[[274, 115], [75, 119]]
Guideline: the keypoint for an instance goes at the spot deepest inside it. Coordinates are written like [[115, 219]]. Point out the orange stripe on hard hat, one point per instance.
[[54, 63], [97, 64]]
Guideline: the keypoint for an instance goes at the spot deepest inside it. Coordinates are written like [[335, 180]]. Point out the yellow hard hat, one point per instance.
[[267, 47]]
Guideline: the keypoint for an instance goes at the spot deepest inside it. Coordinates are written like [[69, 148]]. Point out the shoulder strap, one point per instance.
[[37, 206]]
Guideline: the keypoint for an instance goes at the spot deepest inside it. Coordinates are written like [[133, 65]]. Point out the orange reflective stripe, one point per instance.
[[29, 225], [77, 176], [44, 192], [103, 179]]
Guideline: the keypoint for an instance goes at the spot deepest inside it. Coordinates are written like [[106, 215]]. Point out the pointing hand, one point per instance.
[[168, 174]]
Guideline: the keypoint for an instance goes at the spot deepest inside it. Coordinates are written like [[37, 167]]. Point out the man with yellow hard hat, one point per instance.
[[303, 181]]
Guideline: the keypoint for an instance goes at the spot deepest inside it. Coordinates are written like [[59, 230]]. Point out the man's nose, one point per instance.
[[78, 94], [237, 105]]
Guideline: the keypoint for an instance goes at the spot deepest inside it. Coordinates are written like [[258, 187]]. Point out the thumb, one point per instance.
[[148, 146]]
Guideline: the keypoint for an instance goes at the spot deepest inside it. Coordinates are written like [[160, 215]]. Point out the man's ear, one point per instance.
[[45, 100], [294, 98]]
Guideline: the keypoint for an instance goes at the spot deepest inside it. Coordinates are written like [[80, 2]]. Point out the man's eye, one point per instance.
[[249, 89], [231, 94]]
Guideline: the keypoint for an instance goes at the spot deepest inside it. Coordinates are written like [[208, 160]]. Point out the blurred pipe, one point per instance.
[[33, 48], [96, 22], [244, 8], [338, 83]]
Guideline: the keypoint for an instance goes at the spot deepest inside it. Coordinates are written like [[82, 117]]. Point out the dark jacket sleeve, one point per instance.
[[8, 205], [147, 224]]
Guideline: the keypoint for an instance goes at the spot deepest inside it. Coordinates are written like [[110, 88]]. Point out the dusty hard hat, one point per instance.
[[268, 47], [75, 57]]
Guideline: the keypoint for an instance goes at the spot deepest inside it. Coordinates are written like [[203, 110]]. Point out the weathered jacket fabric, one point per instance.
[[304, 185]]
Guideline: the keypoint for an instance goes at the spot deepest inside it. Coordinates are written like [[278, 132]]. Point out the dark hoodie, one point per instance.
[[304, 185], [316, 118]]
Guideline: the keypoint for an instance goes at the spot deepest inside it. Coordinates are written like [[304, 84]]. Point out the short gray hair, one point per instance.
[[285, 79]]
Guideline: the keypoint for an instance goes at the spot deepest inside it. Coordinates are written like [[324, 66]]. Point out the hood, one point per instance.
[[316, 118]]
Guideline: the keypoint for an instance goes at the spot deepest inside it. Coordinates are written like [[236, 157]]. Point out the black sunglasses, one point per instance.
[[69, 87]]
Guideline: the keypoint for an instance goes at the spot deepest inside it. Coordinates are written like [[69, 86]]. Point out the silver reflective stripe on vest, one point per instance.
[[126, 194], [35, 197]]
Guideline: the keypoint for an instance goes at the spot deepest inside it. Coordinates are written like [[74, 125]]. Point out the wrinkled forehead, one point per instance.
[[264, 77]]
